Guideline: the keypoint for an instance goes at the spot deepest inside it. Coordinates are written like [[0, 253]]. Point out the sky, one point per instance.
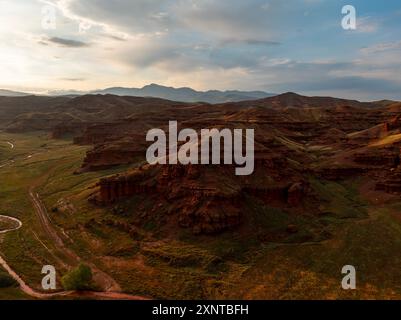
[[271, 45]]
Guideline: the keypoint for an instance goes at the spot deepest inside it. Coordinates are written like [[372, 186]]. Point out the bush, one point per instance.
[[6, 281], [79, 278]]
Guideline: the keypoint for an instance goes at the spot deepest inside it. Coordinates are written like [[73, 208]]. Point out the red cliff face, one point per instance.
[[387, 157], [300, 119], [296, 192], [204, 199], [296, 138], [108, 156], [391, 183], [202, 209], [115, 189]]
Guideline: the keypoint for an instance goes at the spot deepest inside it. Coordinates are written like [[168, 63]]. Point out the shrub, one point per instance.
[[79, 278], [6, 281]]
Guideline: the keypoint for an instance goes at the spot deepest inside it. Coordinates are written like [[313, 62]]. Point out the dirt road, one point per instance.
[[111, 289], [18, 223], [107, 283], [107, 295]]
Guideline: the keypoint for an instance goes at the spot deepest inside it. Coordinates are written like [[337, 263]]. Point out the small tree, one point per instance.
[[6, 281], [79, 278]]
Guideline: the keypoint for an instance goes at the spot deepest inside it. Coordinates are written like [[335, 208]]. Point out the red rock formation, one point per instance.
[[387, 157], [340, 173], [392, 183], [295, 138], [296, 194]]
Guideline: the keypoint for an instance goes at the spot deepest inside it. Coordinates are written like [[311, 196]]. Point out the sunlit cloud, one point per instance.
[[270, 45]]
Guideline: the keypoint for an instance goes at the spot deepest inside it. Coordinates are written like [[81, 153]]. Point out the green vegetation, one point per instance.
[[184, 256], [339, 200], [12, 294], [9, 288], [261, 260], [7, 281], [79, 278]]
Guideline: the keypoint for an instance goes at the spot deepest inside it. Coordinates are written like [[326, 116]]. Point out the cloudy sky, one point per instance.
[[271, 45]]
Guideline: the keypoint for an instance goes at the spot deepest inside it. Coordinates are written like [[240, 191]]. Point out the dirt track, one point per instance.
[[110, 294], [107, 283], [111, 289], [15, 220]]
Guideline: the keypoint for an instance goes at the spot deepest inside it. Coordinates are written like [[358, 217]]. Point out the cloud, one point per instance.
[[367, 25], [65, 42], [224, 19], [354, 83], [272, 45], [73, 79], [173, 57], [251, 42], [344, 79], [139, 16], [114, 37], [381, 47]]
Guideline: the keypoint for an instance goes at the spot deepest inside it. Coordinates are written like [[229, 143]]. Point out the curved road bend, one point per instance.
[[108, 283], [24, 287], [10, 161], [112, 286], [36, 294], [15, 220]]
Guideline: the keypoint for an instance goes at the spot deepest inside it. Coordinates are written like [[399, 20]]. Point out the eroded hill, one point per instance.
[[327, 177]]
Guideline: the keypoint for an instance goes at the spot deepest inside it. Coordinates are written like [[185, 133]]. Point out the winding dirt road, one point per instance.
[[112, 290], [12, 219], [39, 295], [24, 287], [107, 283], [9, 161]]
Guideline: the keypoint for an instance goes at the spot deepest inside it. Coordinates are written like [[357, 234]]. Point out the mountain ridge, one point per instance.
[[11, 93], [185, 94], [182, 94]]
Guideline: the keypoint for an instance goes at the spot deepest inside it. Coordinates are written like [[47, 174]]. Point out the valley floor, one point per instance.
[[37, 176]]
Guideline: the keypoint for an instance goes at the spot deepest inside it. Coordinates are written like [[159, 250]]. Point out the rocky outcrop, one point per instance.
[[392, 183], [211, 214], [387, 157], [202, 199], [110, 156], [296, 193], [286, 194], [340, 173], [203, 210], [118, 187], [394, 123], [270, 195], [296, 138]]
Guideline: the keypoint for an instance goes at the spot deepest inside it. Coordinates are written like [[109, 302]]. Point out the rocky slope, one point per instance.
[[297, 140]]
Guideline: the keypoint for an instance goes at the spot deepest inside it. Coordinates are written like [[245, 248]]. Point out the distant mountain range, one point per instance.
[[169, 93], [9, 93], [186, 94]]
